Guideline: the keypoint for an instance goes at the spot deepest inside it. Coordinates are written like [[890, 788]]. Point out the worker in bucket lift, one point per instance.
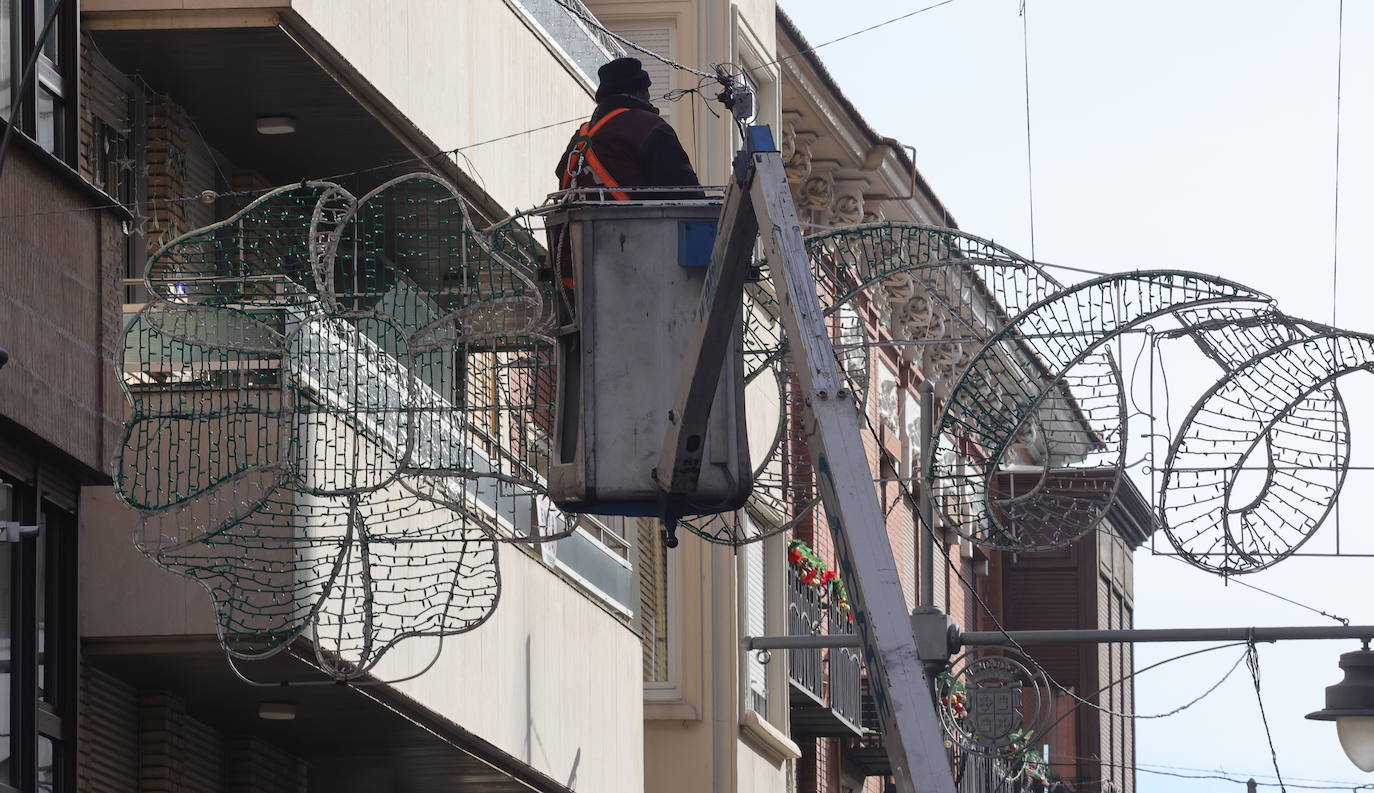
[[626, 143]]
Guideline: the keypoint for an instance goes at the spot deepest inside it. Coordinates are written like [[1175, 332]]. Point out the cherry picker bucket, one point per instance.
[[630, 276]]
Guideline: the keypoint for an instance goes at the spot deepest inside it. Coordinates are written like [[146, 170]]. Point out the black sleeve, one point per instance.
[[664, 161]]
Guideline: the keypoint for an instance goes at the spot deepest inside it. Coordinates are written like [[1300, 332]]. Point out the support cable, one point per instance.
[[1252, 661], [1030, 162], [1011, 641]]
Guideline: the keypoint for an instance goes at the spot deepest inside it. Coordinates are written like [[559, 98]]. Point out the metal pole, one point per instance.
[[927, 512], [975, 638], [960, 639]]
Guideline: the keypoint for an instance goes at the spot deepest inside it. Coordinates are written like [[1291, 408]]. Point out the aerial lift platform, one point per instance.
[[705, 416]]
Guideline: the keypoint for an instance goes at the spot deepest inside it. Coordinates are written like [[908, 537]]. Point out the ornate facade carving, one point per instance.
[[848, 209], [817, 192]]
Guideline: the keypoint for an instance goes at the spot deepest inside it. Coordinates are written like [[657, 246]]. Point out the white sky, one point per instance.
[[1192, 135]]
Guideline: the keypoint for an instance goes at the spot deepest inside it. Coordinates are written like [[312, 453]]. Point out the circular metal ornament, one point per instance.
[[994, 701]]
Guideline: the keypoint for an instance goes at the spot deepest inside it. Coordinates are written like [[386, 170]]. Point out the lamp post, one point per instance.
[[1350, 703]]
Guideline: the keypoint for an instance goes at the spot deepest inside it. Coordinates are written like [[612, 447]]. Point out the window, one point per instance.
[[762, 575], [37, 642], [755, 592], [46, 111], [651, 619]]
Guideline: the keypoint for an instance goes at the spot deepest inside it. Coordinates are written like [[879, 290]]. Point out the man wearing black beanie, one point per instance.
[[626, 143]]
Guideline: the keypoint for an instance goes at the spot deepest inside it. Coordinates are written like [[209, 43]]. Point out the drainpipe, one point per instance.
[[897, 146], [927, 523]]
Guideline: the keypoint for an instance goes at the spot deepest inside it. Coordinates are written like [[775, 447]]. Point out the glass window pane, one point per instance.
[[46, 764], [6, 55], [49, 132], [40, 14]]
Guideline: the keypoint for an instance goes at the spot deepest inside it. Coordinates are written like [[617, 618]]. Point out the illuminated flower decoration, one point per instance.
[[338, 408]]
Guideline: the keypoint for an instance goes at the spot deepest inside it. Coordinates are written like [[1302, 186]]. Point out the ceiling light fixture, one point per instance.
[[276, 125], [277, 711]]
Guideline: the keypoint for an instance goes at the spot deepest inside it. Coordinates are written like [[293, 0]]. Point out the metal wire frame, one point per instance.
[[340, 406], [1278, 405]]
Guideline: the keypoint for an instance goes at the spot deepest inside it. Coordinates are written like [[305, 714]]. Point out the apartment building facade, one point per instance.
[[611, 663]]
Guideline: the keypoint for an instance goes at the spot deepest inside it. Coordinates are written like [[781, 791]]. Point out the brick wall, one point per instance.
[[59, 310]]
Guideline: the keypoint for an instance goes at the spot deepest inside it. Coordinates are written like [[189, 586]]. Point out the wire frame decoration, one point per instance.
[[1030, 445], [1262, 455], [994, 701], [339, 406], [936, 287]]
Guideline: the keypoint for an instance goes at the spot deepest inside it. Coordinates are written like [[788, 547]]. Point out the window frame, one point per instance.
[[53, 715], [58, 78], [774, 550]]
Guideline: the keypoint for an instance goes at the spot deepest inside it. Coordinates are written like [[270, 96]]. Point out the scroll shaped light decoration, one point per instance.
[[335, 402], [1031, 440], [1262, 455]]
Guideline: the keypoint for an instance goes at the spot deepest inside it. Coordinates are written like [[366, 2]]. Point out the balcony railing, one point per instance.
[[845, 676], [825, 696], [805, 617]]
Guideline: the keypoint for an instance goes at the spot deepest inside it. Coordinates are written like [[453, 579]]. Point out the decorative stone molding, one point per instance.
[[797, 165], [795, 148], [946, 362], [887, 398], [921, 318], [818, 192], [787, 139], [899, 288], [847, 208]]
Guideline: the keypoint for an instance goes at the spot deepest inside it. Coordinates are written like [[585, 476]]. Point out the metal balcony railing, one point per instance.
[[805, 617], [846, 674], [825, 684]]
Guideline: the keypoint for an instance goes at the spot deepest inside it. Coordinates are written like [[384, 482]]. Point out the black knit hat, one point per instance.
[[621, 76]]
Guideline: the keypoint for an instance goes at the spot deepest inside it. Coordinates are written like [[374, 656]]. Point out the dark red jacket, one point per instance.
[[637, 147]]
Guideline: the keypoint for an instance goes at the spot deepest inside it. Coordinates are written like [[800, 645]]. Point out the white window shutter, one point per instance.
[[656, 38], [756, 621]]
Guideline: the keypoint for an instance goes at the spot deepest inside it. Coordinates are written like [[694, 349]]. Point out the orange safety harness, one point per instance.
[[581, 156]]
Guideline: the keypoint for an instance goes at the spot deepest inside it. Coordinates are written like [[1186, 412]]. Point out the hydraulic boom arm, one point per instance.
[[759, 203]]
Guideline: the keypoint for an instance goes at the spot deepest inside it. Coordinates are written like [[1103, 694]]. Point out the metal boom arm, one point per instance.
[[759, 199]]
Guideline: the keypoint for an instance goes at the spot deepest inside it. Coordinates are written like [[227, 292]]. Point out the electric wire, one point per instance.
[[973, 590], [1313, 609], [847, 36], [1169, 660], [1239, 777], [592, 21], [452, 152], [1336, 203], [596, 23], [1252, 661], [1336, 208], [1030, 160]]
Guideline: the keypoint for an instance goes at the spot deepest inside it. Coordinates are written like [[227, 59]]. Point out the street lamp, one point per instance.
[[1350, 703]]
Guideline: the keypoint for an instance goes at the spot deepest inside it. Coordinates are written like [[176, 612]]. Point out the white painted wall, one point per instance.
[[552, 678], [464, 72]]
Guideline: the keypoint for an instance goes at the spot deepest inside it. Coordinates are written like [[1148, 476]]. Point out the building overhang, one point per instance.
[[356, 738], [230, 69]]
